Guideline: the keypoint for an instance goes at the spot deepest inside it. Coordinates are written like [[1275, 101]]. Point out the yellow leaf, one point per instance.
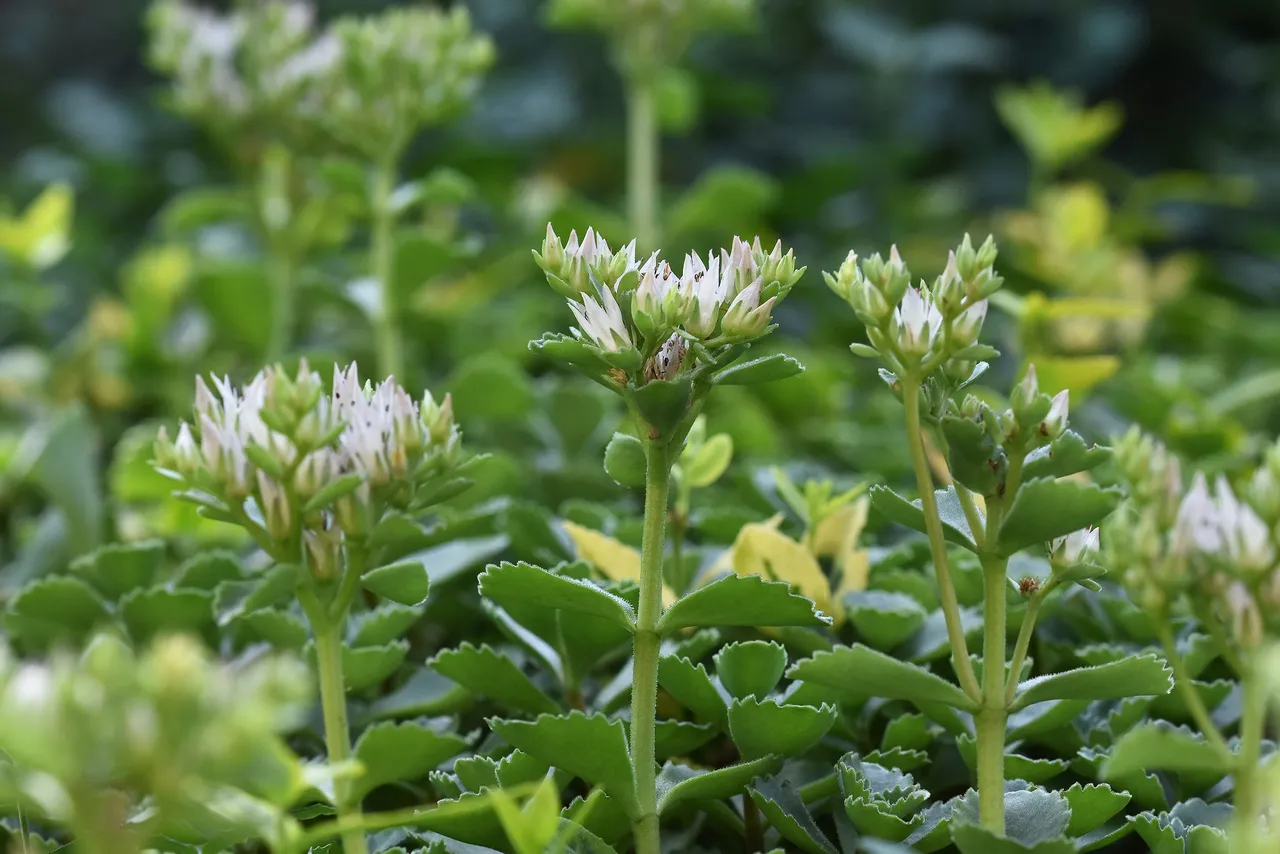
[[1078, 373], [854, 562], [41, 236], [614, 560], [763, 550]]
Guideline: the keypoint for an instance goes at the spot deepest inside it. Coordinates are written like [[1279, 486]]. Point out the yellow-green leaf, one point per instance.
[[611, 558]]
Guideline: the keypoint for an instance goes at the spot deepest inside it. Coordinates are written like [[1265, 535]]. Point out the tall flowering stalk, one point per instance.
[[1007, 491], [648, 38], [1209, 551], [310, 476], [661, 340]]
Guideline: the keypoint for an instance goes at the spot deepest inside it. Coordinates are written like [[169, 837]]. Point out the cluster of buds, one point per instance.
[[399, 72], [1199, 539], [368, 84], [981, 440], [644, 318], [234, 67], [171, 726], [918, 330], [300, 467], [648, 31]]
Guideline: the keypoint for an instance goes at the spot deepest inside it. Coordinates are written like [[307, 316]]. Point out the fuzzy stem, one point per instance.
[[337, 732], [1024, 642], [644, 686], [937, 545], [642, 161], [992, 715], [282, 272], [381, 263]]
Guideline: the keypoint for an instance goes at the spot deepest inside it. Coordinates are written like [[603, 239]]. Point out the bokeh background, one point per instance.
[[1126, 155]]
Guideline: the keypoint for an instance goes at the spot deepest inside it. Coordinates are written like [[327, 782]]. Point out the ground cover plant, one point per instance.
[[314, 540]]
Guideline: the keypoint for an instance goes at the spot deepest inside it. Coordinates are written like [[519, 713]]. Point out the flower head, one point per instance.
[[1075, 548]]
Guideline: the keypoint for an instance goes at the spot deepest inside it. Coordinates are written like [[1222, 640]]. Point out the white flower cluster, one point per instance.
[[624, 306], [924, 325], [366, 83], [1205, 540], [283, 443]]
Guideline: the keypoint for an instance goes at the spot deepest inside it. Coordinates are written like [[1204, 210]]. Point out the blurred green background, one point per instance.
[[1125, 154]]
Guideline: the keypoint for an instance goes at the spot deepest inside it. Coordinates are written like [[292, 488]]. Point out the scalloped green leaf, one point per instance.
[[207, 570], [972, 456], [909, 732], [955, 527], [488, 673], [663, 403], [1045, 509], [390, 751], [366, 666], [1066, 455], [742, 600], [149, 613], [591, 747], [1161, 746], [383, 624], [884, 619], [1092, 805], [52, 611], [278, 628], [1137, 676], [624, 460], [679, 738], [1016, 766], [766, 369], [234, 599], [692, 687], [761, 728], [680, 784], [784, 809], [406, 582], [859, 671], [750, 668], [972, 839], [425, 692], [120, 568], [521, 584]]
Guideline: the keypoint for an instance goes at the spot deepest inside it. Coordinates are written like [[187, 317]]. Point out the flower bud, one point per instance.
[[1026, 391], [896, 277], [1056, 421], [274, 504], [916, 323], [1075, 548], [967, 328], [745, 317], [966, 259], [846, 281], [948, 290], [552, 257]]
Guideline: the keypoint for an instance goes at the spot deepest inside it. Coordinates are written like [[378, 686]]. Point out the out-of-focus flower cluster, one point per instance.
[[367, 84], [91, 736], [647, 319], [301, 468], [1219, 547], [649, 31], [919, 330]]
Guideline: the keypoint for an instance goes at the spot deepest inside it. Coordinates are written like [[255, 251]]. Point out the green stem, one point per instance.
[[992, 714], [1248, 802], [972, 514], [381, 247], [937, 545], [1024, 643], [751, 820], [1184, 684], [642, 161], [644, 686], [282, 272], [337, 732]]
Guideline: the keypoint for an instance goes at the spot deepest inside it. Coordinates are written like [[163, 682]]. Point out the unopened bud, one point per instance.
[[1026, 391], [948, 289], [967, 328], [1056, 421]]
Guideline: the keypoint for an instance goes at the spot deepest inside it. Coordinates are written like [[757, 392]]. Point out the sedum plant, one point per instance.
[[1016, 484], [132, 751], [1209, 553], [662, 342], [267, 82], [325, 484]]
